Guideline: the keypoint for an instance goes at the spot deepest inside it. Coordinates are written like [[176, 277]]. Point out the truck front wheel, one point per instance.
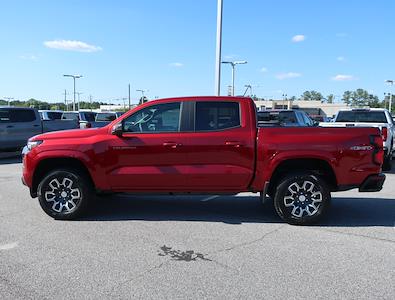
[[302, 199], [64, 194]]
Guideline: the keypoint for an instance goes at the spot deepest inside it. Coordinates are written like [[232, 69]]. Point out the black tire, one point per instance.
[[302, 199], [64, 194]]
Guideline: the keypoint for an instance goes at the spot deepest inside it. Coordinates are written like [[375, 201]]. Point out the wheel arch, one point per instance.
[[317, 166], [50, 164]]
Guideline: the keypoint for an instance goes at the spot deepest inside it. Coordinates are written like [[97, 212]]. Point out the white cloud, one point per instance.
[[230, 56], [176, 65], [341, 58], [288, 75], [263, 70], [298, 38], [342, 77], [69, 45], [28, 57]]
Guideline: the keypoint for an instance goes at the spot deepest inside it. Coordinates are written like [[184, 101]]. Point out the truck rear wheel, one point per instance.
[[302, 199], [64, 194]]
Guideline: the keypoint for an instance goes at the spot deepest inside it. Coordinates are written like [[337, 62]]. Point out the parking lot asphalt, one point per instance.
[[185, 247]]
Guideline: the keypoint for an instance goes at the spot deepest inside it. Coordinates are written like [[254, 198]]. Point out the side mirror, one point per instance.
[[117, 129]]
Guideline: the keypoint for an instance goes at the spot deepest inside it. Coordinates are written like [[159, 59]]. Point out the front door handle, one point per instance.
[[10, 126], [171, 144], [234, 144]]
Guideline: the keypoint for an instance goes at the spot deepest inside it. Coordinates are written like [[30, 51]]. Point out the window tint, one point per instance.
[[155, 118], [17, 115], [362, 116], [282, 117], [70, 116], [105, 117], [4, 116], [216, 115], [89, 116], [54, 115], [306, 120]]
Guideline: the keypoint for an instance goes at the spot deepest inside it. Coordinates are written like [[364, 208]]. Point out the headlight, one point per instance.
[[33, 144]]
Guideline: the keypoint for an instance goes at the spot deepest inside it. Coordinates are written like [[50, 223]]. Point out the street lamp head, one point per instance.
[[240, 62], [226, 62], [389, 81]]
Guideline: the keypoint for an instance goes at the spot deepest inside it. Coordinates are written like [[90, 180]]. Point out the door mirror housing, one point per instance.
[[117, 129]]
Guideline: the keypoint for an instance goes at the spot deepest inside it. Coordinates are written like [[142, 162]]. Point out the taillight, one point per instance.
[[378, 153], [88, 125], [384, 133]]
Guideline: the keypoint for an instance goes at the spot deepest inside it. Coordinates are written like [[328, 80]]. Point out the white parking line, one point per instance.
[[209, 198], [8, 246]]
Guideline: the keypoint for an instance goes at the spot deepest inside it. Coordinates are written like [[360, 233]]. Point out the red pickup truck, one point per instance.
[[202, 145]]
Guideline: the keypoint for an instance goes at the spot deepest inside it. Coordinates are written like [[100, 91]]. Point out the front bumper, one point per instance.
[[373, 183]]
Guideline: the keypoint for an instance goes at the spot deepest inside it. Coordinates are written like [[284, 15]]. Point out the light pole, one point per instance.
[[74, 77], [391, 82], [142, 95], [233, 64], [217, 91], [79, 93]]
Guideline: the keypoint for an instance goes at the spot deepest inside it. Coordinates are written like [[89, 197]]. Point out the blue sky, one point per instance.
[[168, 47]]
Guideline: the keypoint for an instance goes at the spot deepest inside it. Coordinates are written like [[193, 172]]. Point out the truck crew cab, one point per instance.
[[202, 145]]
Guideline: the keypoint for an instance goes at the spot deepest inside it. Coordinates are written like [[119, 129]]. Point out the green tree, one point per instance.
[[330, 98], [312, 96], [347, 97]]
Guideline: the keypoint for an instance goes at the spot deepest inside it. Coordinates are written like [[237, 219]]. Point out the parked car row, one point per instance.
[[88, 119], [18, 124]]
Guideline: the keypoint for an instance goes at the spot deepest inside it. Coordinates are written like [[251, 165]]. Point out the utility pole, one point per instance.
[[129, 96], [9, 100], [218, 58], [90, 102]]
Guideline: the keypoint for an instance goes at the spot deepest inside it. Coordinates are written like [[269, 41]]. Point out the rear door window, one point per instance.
[[216, 115], [89, 116], [53, 115], [22, 115]]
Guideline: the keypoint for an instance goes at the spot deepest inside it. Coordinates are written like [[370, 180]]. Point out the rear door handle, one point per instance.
[[234, 144], [10, 126], [36, 125], [171, 144]]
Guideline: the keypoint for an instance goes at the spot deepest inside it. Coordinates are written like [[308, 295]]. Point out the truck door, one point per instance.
[[17, 126], [150, 156], [220, 150]]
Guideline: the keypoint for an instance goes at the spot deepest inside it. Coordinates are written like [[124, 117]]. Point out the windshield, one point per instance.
[[284, 117], [361, 117]]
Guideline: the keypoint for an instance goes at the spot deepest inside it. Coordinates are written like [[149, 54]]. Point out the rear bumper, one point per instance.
[[373, 183]]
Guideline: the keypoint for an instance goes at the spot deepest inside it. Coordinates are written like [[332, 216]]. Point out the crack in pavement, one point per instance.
[[355, 235], [249, 242]]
